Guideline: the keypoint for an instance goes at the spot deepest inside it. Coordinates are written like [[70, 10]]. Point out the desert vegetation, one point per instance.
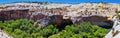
[[24, 28]]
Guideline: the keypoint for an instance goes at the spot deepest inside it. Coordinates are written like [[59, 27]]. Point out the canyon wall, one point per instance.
[[60, 14]]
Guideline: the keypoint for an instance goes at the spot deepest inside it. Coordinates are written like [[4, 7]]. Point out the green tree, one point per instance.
[[24, 28]]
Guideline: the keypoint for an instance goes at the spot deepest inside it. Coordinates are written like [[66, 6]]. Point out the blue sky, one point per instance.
[[64, 1]]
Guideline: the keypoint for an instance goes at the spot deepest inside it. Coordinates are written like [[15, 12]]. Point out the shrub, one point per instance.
[[24, 28], [84, 30]]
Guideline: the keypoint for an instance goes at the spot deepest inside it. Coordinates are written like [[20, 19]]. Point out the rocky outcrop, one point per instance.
[[99, 20], [4, 35], [14, 14], [37, 17], [115, 30], [55, 20], [60, 14]]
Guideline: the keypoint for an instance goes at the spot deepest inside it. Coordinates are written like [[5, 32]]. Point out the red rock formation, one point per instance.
[[44, 19]]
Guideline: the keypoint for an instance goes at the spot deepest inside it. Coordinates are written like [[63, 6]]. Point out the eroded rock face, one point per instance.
[[55, 20], [46, 14], [58, 20], [94, 19], [14, 14], [37, 17], [99, 20]]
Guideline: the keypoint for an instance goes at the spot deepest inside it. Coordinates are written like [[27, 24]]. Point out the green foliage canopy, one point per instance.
[[24, 28]]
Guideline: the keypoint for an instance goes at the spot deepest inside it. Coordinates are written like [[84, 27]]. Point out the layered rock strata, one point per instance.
[[60, 14]]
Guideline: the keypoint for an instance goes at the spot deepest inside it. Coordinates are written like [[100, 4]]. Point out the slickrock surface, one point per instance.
[[49, 13], [4, 35]]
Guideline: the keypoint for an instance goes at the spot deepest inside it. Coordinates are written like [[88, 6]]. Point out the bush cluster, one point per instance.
[[83, 30], [24, 28]]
